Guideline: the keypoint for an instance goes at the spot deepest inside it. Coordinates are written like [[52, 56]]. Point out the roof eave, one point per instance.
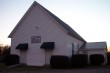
[[70, 31], [64, 25], [21, 20], [81, 39]]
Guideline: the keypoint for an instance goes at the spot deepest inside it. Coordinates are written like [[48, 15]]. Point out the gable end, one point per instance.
[[69, 30], [22, 19]]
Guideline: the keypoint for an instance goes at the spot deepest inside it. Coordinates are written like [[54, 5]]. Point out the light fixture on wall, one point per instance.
[[37, 28]]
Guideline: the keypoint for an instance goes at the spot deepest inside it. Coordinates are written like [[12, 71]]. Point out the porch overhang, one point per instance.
[[48, 45], [22, 46]]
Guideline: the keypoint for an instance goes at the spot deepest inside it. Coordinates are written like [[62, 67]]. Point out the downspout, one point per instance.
[[72, 48], [78, 49]]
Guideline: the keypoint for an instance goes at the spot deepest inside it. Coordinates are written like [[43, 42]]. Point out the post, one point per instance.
[[72, 48]]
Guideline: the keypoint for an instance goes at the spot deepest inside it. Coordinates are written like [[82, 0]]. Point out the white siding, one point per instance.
[[23, 57], [69, 44], [100, 51], [48, 54], [49, 30], [13, 46]]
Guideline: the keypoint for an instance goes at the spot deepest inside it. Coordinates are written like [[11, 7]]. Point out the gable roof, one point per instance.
[[91, 46], [96, 45], [63, 24]]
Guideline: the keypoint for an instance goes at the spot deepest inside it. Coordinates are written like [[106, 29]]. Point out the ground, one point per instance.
[[25, 69], [64, 71]]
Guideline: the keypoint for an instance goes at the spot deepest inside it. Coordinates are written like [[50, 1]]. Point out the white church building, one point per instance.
[[40, 34]]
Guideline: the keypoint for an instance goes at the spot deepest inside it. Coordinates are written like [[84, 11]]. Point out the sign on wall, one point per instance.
[[35, 39]]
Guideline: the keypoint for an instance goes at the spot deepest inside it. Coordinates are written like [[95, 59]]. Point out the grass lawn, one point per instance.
[[34, 68], [20, 68]]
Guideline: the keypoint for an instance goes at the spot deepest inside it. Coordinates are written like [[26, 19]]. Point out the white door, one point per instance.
[[23, 57], [48, 54]]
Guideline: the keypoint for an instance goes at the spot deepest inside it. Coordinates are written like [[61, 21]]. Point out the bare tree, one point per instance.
[[4, 50]]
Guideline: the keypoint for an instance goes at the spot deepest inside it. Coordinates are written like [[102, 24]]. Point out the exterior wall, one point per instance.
[[47, 28], [101, 51], [13, 46], [23, 56], [95, 51], [48, 54], [73, 41]]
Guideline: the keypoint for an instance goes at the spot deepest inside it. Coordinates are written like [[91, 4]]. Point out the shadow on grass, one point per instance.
[[35, 68], [21, 68]]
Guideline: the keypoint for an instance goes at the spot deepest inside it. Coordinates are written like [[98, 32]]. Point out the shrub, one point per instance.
[[79, 60], [11, 60], [58, 61], [96, 59], [2, 59], [108, 58]]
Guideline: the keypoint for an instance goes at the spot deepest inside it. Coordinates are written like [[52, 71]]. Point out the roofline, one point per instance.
[[84, 48], [64, 26], [21, 20], [98, 42], [70, 31], [90, 49], [81, 39]]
